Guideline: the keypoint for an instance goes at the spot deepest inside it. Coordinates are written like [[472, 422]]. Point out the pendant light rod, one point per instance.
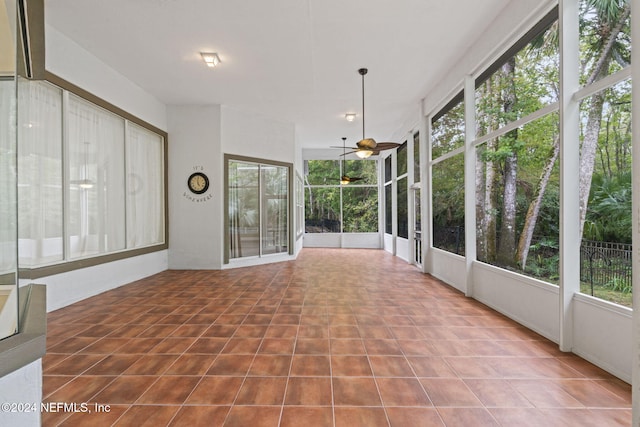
[[362, 72]]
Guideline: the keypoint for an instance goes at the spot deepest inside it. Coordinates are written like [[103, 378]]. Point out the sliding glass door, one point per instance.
[[258, 208]]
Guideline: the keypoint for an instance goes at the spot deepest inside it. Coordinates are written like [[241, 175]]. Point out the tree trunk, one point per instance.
[[481, 239], [490, 203], [507, 248], [594, 117], [534, 207], [588, 152]]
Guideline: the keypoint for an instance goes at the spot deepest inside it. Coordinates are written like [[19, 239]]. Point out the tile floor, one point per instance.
[[315, 342]]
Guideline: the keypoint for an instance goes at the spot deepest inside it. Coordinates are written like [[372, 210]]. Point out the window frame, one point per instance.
[[67, 265], [291, 233]]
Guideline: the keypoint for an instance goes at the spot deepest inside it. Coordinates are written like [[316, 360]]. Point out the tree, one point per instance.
[[604, 21]]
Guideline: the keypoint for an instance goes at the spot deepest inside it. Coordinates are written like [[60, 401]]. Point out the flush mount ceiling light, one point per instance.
[[210, 58], [350, 117]]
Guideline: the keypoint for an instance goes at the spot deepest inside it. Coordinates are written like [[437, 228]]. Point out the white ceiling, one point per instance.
[[292, 60]]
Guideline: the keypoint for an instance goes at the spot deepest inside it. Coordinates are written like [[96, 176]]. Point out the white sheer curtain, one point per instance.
[[96, 206], [40, 174], [145, 189], [7, 176]]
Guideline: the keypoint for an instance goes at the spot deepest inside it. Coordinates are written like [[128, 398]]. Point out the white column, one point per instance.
[[569, 170], [635, 80], [425, 189], [469, 181]]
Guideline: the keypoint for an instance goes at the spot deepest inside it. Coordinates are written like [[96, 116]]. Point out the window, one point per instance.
[[517, 183], [40, 184], [402, 185], [416, 158], [605, 151], [258, 205], [447, 182], [334, 208], [299, 206], [388, 196], [96, 179], [96, 190]]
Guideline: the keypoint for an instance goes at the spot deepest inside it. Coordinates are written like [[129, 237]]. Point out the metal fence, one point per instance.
[[606, 264], [602, 264]]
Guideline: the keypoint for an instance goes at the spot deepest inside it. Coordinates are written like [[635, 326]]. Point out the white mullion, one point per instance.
[[602, 84], [66, 176], [517, 123], [425, 192], [569, 170], [469, 182], [635, 135], [126, 183], [448, 155]]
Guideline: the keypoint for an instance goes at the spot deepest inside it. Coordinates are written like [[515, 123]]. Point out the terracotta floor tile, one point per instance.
[[414, 417], [312, 346], [402, 392], [545, 394], [172, 346], [254, 416], [138, 345], [347, 346], [361, 417], [114, 364], [270, 366], [277, 346], [355, 392], [431, 367], [191, 364], [262, 391], [74, 364], [51, 383], [382, 347], [125, 389], [449, 392], [293, 416], [309, 391], [152, 364], [525, 417], [80, 389], [211, 416], [496, 393], [311, 366], [356, 366], [465, 417], [390, 366], [147, 416], [310, 343], [106, 417], [169, 390], [215, 391]]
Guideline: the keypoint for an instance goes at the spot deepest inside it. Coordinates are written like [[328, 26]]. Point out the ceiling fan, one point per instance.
[[367, 147], [346, 179]]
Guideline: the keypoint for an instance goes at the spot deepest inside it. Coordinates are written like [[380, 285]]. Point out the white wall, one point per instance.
[[66, 59], [602, 334], [448, 267], [23, 386], [195, 221], [199, 137], [73, 286], [248, 134]]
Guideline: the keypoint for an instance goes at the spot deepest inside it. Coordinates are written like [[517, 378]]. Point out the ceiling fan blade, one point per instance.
[[386, 145]]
